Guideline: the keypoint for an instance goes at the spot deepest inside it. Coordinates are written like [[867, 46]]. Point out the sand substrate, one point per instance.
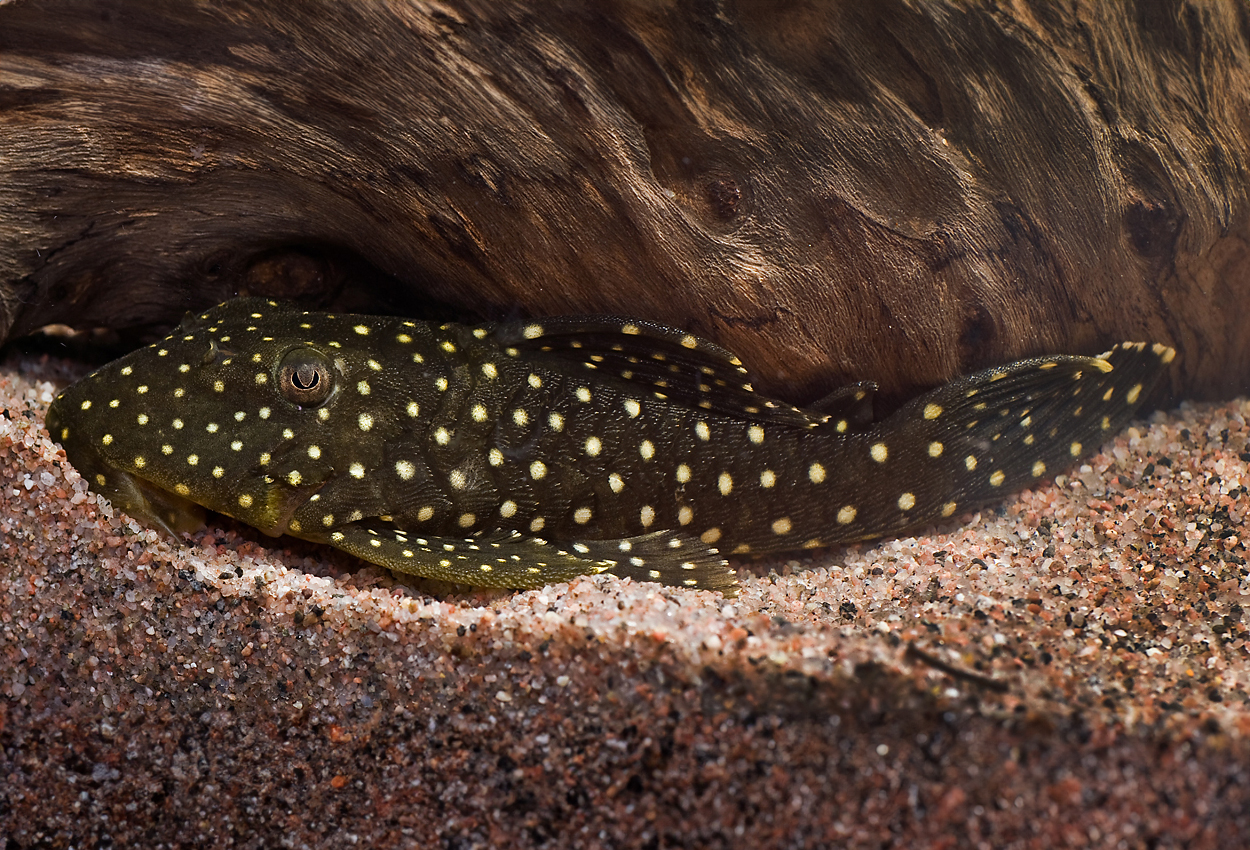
[[1070, 670]]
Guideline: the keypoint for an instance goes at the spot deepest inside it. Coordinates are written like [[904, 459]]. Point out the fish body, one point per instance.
[[514, 455]]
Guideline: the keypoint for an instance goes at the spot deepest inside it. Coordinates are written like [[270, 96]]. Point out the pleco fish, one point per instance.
[[515, 455]]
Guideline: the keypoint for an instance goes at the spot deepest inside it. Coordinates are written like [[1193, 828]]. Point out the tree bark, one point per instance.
[[835, 190]]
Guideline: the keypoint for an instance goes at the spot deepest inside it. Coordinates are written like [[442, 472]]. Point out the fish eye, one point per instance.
[[305, 377]]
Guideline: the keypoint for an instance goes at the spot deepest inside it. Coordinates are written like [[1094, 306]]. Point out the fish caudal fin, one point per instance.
[[977, 439]]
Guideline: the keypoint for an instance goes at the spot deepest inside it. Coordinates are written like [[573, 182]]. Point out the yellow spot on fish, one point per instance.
[[495, 457], [646, 449], [948, 509], [365, 421], [816, 473], [405, 469], [107, 439], [581, 516], [508, 509], [593, 446], [846, 514], [725, 483], [646, 516], [879, 452], [997, 478], [425, 514], [583, 394], [970, 462], [685, 515], [356, 470], [683, 473], [182, 489], [532, 331], [755, 434], [314, 452], [294, 478], [490, 370], [1134, 393], [538, 470], [632, 407], [935, 449], [361, 329], [701, 431], [907, 501], [1039, 469], [781, 526], [932, 411], [1075, 449], [767, 478], [616, 483], [245, 501]]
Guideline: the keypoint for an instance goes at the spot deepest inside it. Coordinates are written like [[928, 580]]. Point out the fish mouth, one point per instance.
[[138, 497]]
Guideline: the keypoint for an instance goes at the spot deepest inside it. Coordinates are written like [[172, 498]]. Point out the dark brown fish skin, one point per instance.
[[520, 454]]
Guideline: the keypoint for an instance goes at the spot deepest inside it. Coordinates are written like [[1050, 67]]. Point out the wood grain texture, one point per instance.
[[835, 190]]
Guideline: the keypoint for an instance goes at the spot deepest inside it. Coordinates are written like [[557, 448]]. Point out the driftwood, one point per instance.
[[836, 190]]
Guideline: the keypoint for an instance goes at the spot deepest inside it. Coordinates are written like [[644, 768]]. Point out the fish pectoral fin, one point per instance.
[[153, 505], [500, 559], [668, 557], [509, 559], [661, 361]]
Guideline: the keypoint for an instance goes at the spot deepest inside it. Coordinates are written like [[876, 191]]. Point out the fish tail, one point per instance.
[[977, 439]]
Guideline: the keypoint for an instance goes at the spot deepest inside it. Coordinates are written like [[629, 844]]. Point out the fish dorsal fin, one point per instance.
[[851, 404], [677, 366]]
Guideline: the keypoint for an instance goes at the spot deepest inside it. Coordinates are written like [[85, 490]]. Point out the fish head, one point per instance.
[[249, 409]]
